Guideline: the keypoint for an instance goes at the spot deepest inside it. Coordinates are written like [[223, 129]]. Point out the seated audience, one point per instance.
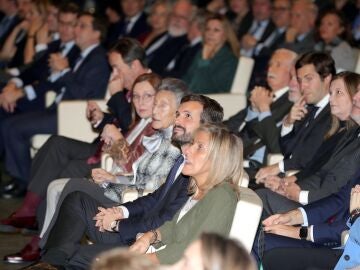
[[161, 55], [158, 21], [212, 252], [299, 36], [317, 255], [9, 20], [239, 12], [258, 124], [332, 169], [333, 40], [150, 211], [113, 14], [213, 68], [257, 28], [304, 128]]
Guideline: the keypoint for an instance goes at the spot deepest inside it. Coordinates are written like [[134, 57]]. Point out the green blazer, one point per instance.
[[214, 213], [214, 75]]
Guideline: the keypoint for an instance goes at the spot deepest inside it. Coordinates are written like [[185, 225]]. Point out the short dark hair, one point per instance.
[[324, 64], [69, 8], [130, 50], [98, 24], [213, 112]]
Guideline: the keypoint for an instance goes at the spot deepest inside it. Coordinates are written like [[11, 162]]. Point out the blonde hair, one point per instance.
[[231, 38], [226, 149], [119, 258]]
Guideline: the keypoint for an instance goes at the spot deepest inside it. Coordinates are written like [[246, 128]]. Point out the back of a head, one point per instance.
[[223, 253], [212, 112], [130, 50], [120, 258]]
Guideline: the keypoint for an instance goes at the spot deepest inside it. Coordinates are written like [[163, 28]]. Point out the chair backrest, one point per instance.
[[246, 218], [242, 76], [357, 65], [232, 103]]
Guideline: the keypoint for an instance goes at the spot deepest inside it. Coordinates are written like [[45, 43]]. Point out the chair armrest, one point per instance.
[[72, 121]]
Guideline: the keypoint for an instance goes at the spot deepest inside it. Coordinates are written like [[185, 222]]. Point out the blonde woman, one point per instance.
[[214, 190]]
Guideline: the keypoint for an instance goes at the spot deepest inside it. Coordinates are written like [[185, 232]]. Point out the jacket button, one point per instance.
[[347, 257]]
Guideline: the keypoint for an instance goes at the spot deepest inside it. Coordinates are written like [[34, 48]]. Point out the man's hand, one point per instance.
[[290, 190], [261, 98], [297, 112], [355, 198], [116, 82], [265, 172], [106, 216], [248, 42], [284, 230], [273, 182], [291, 34], [111, 134], [93, 112], [57, 62], [100, 175], [9, 96], [293, 217]]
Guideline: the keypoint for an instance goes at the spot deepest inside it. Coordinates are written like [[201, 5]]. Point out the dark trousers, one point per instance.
[[60, 157], [16, 134], [75, 219], [301, 258]]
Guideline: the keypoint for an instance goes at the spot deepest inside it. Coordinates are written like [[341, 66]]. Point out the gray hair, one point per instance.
[[176, 86]]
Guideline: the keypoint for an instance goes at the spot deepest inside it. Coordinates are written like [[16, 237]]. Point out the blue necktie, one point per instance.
[[172, 175]]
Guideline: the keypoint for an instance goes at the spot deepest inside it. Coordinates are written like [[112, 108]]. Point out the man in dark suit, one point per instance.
[[258, 124], [299, 36], [85, 80], [260, 28], [9, 20], [176, 38], [134, 22], [281, 17]]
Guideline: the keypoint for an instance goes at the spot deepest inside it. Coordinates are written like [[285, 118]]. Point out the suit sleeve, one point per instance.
[[234, 122]]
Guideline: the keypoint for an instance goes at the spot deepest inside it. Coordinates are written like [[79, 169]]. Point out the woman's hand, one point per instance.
[[355, 198], [42, 35], [110, 134], [100, 175], [142, 244]]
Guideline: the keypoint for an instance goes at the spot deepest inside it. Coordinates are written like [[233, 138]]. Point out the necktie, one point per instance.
[[172, 174], [312, 109]]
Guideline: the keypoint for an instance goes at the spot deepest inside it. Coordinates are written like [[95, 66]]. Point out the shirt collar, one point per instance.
[[134, 18], [88, 50], [195, 41], [279, 93], [322, 104]]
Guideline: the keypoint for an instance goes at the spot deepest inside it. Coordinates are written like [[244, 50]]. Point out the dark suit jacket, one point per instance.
[[306, 45], [39, 68], [14, 21], [339, 169], [141, 26], [302, 147], [329, 215], [89, 81], [151, 211], [265, 130], [183, 60], [160, 58]]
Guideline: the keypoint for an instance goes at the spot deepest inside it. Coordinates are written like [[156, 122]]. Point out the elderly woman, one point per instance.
[[333, 35], [213, 68], [214, 193]]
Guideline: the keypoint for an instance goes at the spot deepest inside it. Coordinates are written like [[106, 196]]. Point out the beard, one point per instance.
[[181, 139]]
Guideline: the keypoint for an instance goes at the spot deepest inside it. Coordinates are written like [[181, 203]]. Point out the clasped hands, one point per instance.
[[9, 96], [261, 99], [106, 216]]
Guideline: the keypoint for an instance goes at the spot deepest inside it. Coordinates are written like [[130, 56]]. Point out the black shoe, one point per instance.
[[13, 190]]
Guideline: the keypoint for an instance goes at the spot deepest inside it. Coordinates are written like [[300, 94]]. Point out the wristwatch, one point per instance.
[[303, 232]]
